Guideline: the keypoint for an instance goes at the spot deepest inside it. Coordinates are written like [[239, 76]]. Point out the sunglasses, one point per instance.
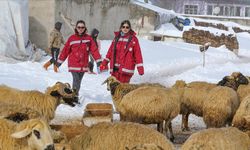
[[125, 27], [79, 27]]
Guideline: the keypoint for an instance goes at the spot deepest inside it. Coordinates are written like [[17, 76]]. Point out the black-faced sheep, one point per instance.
[[220, 106], [234, 80], [118, 136], [218, 139], [45, 103], [147, 104], [33, 134]]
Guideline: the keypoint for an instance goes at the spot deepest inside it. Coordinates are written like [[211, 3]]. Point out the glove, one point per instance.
[[140, 70], [104, 68]]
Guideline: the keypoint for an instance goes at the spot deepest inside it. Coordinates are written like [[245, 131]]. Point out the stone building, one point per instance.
[[105, 15]]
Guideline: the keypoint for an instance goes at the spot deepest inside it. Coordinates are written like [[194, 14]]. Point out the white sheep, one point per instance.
[[33, 134], [45, 103], [218, 139], [220, 106], [118, 136], [146, 104]]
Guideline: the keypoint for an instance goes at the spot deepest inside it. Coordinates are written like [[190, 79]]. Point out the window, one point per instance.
[[238, 11], [191, 9], [227, 11], [247, 11], [209, 10], [221, 11], [231, 11]]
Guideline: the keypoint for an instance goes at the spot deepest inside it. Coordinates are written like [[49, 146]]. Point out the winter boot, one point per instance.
[[55, 68], [46, 65]]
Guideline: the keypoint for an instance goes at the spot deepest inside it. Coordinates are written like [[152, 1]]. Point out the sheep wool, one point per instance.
[[17, 113], [241, 117], [192, 100], [118, 136], [218, 139], [243, 91], [220, 106]]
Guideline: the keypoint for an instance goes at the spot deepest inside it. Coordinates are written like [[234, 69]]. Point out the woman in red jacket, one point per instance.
[[77, 50], [124, 54]]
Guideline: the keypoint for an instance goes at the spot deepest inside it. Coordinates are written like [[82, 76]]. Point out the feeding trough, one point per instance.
[[97, 112]]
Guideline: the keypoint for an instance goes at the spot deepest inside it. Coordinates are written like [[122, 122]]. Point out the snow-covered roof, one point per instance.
[[165, 15]]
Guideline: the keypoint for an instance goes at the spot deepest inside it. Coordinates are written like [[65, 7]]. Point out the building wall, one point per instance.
[[105, 15], [41, 21]]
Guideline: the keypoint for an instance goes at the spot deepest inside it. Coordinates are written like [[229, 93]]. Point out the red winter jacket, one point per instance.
[[77, 50], [126, 58]]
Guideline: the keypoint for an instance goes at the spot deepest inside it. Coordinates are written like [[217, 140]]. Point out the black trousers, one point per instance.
[[54, 54], [77, 79], [91, 63]]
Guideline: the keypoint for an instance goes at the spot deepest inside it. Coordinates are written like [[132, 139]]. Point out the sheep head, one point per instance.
[[37, 132], [64, 92], [240, 78], [112, 82]]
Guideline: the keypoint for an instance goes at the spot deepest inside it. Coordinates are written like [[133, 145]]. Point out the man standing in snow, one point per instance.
[[124, 54], [55, 41]]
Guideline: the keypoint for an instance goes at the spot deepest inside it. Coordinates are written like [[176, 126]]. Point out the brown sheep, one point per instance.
[[45, 103], [220, 106], [117, 136], [217, 139], [119, 90]]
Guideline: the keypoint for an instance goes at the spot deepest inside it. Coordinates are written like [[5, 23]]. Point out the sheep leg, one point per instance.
[[160, 127], [168, 127], [184, 122]]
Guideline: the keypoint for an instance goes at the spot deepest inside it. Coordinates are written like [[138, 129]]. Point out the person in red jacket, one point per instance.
[[124, 54], [77, 50]]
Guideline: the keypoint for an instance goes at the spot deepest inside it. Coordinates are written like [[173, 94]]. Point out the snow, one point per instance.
[[164, 62]]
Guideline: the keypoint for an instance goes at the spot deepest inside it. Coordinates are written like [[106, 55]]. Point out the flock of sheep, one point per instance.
[[225, 108]]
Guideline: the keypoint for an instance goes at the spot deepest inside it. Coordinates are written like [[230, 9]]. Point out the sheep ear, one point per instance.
[[54, 93], [105, 81], [21, 134]]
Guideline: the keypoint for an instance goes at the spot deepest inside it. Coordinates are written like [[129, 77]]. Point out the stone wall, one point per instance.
[[201, 37]]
